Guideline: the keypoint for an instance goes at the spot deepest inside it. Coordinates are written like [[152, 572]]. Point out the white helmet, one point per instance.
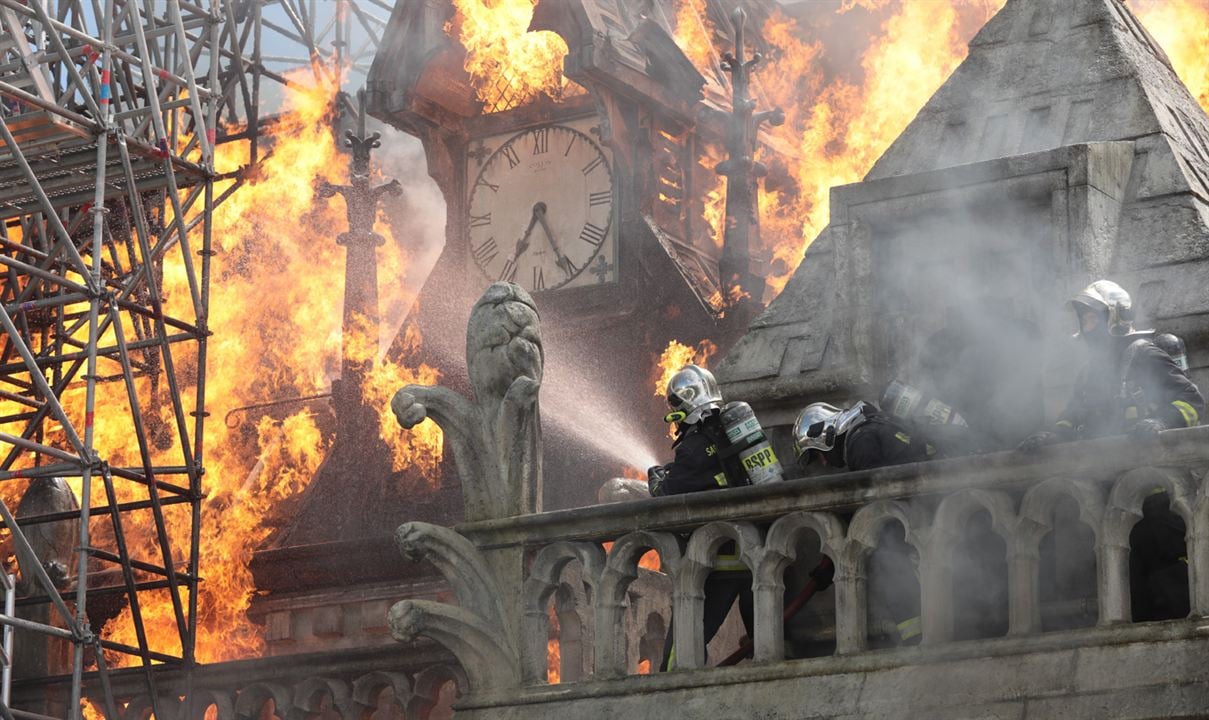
[[1111, 302], [693, 392]]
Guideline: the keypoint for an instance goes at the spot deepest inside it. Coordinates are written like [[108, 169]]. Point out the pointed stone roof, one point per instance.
[[1042, 74]]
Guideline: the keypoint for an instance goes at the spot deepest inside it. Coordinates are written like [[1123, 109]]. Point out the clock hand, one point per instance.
[[523, 244], [563, 261]]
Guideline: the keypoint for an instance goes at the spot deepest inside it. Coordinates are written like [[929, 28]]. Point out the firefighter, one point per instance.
[[860, 437], [1130, 384], [696, 403]]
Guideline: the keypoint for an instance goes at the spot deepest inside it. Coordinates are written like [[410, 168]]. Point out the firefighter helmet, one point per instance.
[[1173, 345], [815, 429], [820, 425], [1108, 300], [694, 392]]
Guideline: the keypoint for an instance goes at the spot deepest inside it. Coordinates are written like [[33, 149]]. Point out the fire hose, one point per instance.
[[820, 579]]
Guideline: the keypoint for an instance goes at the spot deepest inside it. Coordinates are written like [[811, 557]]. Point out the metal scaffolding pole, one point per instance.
[[112, 115]]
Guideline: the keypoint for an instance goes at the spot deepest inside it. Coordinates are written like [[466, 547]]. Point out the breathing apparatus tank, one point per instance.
[[749, 443], [907, 403]]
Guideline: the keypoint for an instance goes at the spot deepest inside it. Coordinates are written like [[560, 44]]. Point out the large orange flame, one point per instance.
[[508, 65], [275, 310]]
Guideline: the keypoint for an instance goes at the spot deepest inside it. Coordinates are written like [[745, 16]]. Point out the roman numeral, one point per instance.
[[592, 234], [508, 274], [604, 197], [483, 181], [539, 279], [570, 145], [485, 253], [477, 221], [513, 158], [593, 165], [541, 141]]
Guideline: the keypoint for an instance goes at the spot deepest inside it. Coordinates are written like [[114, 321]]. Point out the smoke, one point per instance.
[[416, 219]]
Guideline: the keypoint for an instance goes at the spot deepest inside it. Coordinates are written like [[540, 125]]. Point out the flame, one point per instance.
[[648, 561], [1181, 27], [644, 667], [676, 355], [694, 33], [508, 65], [275, 311], [554, 658]]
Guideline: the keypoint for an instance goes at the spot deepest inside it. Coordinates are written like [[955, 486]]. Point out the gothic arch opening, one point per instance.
[[1067, 570], [892, 589], [809, 632], [1158, 562], [979, 580]]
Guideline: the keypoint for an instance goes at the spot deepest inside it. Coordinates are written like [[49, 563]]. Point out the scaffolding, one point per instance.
[[110, 115]]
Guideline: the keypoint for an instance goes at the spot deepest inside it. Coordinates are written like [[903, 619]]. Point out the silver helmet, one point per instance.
[[810, 430], [1111, 302], [693, 392], [820, 424]]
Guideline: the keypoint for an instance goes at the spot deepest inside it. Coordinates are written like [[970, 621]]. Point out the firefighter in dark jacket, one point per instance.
[[696, 403], [1133, 385], [1130, 385], [860, 437]]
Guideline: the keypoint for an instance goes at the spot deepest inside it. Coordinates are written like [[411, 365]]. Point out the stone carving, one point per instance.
[[496, 438], [476, 631]]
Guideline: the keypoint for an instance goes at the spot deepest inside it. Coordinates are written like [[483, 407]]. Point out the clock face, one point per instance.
[[541, 208]]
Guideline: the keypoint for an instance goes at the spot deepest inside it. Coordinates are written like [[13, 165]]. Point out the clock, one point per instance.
[[540, 211]]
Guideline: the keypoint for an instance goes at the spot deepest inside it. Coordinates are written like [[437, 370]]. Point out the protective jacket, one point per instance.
[[877, 442], [698, 463], [1134, 380]]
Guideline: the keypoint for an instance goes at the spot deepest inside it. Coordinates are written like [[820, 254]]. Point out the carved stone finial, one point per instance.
[[476, 630], [496, 438]]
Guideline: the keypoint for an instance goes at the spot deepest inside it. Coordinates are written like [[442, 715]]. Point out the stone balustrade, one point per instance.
[[1108, 480]]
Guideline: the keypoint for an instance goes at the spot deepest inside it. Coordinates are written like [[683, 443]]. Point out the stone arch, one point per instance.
[[427, 686], [865, 538], [1123, 512], [651, 642], [195, 706], [321, 698], [621, 568], [368, 689], [252, 701], [945, 535], [1033, 526], [570, 608], [780, 551], [543, 580], [689, 582]]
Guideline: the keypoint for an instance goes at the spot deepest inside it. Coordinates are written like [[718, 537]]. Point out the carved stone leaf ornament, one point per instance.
[[496, 441]]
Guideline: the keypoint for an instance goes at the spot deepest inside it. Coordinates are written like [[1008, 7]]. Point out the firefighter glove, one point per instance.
[[1146, 432], [655, 476]]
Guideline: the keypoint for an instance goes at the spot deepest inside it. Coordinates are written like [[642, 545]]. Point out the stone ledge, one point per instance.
[[1000, 675], [1101, 458]]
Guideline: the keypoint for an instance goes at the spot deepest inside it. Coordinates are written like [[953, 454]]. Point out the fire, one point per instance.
[[676, 355], [648, 561], [694, 34], [554, 658], [275, 311], [508, 65], [644, 667], [1182, 29]]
